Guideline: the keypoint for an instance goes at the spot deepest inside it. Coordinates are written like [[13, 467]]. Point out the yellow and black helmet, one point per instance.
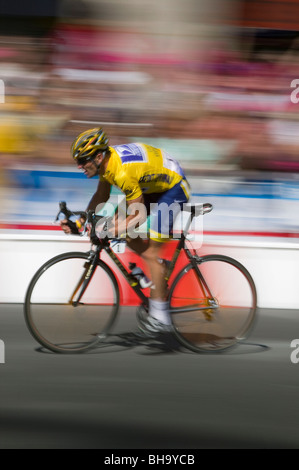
[[87, 144]]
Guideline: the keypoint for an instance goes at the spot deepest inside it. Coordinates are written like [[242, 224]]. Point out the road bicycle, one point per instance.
[[73, 300]]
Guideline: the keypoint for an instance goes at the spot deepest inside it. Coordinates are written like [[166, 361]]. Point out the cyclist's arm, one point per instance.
[[136, 216], [101, 195]]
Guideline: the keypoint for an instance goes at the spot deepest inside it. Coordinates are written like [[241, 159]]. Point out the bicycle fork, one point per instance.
[[90, 267]]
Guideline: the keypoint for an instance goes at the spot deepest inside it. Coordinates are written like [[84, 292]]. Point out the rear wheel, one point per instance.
[[51, 312], [213, 305]]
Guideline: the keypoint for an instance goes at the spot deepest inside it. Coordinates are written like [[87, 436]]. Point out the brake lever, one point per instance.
[[68, 214], [63, 210]]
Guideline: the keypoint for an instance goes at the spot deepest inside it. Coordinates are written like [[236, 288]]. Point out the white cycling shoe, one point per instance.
[[150, 326]]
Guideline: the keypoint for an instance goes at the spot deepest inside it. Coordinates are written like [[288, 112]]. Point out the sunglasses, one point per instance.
[[83, 160]]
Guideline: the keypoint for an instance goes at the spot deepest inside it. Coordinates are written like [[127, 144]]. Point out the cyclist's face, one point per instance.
[[90, 167]]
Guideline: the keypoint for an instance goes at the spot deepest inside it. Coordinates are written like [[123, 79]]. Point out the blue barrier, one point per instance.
[[268, 202]]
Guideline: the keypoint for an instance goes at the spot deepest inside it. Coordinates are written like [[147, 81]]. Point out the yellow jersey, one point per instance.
[[139, 168]]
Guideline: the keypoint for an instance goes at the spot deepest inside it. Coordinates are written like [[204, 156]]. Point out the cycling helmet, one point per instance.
[[87, 144]]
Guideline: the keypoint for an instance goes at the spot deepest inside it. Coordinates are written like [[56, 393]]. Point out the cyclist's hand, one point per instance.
[[65, 226], [80, 222], [68, 226], [100, 231]]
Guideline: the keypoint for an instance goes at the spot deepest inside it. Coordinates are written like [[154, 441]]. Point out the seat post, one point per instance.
[[194, 210], [189, 221]]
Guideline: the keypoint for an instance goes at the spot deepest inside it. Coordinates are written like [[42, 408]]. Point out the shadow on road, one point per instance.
[[165, 344]]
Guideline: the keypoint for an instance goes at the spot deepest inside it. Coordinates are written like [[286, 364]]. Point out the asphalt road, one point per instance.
[[149, 396]]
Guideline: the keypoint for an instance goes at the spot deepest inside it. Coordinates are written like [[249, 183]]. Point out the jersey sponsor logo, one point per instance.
[[131, 153], [157, 178]]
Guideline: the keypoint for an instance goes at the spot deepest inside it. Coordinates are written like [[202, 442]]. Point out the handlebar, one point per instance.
[[90, 218], [63, 209]]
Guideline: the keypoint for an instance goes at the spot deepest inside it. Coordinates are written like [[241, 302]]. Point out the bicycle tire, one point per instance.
[[204, 323], [54, 321]]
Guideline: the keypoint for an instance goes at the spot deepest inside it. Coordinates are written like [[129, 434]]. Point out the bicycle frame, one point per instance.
[[103, 244]]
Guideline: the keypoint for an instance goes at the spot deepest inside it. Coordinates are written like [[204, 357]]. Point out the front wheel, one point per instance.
[[54, 317], [213, 303]]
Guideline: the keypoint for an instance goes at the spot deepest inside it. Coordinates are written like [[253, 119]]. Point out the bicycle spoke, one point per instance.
[[213, 323], [60, 324]]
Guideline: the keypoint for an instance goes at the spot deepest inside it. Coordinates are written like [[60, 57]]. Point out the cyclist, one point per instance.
[[147, 176]]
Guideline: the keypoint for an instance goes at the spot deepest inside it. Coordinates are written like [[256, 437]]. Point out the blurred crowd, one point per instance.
[[236, 93]]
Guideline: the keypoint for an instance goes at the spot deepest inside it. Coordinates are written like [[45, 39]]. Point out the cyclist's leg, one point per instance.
[[159, 318], [157, 269], [164, 207], [162, 216], [139, 245], [150, 251]]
